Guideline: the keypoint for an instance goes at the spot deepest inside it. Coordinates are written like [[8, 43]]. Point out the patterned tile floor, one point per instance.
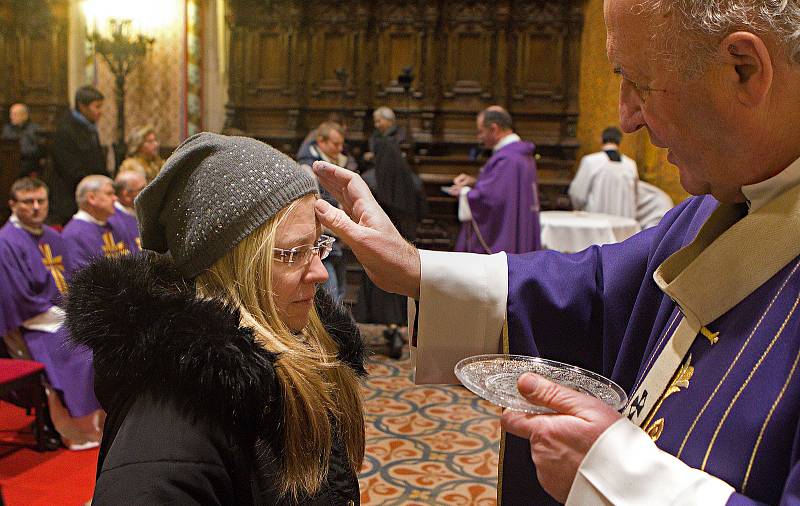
[[426, 445]]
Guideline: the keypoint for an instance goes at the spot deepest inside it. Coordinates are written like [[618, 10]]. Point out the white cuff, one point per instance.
[[462, 308], [464, 212], [624, 467], [49, 321]]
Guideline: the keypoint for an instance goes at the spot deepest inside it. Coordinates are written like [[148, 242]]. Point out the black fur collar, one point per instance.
[[151, 334]]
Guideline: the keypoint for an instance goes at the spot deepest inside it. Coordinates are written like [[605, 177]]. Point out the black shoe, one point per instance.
[[396, 342], [51, 440]]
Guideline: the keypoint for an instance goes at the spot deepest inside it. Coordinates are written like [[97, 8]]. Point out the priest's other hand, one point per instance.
[[561, 440], [389, 260], [464, 180]]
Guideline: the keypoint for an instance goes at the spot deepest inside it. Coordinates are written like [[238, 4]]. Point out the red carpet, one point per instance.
[[30, 478]]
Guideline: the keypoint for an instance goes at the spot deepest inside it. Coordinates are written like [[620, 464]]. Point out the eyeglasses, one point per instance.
[[303, 254], [642, 90]]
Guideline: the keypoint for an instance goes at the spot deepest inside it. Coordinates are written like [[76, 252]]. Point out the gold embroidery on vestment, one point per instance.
[[655, 430], [744, 385], [111, 248], [712, 337], [734, 362], [55, 265], [766, 422], [679, 380]]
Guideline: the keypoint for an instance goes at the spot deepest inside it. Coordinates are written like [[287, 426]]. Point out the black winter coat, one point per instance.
[[77, 153], [193, 403]]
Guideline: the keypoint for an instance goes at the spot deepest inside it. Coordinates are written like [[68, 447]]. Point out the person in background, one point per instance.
[[606, 181], [385, 123], [128, 184], [21, 129], [90, 234], [329, 146], [143, 153], [652, 203], [499, 209], [77, 152], [228, 376], [37, 266], [399, 192]]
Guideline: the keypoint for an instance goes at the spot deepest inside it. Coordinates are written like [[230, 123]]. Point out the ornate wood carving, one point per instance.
[[33, 52], [465, 55]]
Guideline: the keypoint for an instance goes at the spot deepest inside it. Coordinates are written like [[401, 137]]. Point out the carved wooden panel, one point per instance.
[[294, 62], [33, 54]]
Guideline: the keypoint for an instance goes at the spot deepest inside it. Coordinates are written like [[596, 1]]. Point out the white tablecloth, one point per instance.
[[572, 231]]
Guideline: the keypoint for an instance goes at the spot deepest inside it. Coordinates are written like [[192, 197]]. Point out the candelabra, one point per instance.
[[122, 50]]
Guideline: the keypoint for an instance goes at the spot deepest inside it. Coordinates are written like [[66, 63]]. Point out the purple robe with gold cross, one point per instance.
[[86, 241], [735, 413], [127, 229], [35, 271], [504, 204]]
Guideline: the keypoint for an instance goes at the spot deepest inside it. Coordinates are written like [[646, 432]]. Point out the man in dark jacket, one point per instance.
[[77, 153], [20, 128]]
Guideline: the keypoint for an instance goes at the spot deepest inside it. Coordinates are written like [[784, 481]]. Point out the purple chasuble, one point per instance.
[[86, 241], [504, 204], [30, 265], [600, 309], [128, 229]]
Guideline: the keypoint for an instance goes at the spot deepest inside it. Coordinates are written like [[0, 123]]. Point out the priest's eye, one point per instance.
[[642, 90]]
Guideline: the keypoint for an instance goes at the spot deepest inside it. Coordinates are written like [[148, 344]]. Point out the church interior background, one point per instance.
[[274, 69]]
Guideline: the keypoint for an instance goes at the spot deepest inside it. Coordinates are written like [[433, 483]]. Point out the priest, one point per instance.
[[89, 234], [499, 209], [695, 318], [128, 184], [36, 267]]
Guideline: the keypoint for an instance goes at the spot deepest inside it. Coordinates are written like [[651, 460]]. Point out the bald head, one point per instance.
[[18, 114], [128, 185]]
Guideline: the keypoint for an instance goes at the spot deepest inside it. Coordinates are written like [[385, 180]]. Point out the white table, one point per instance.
[[572, 231]]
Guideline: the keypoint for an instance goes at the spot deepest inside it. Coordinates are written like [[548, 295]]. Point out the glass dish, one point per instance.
[[494, 377]]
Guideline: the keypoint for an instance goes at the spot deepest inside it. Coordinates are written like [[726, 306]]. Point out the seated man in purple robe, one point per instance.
[[499, 209], [128, 184], [36, 267], [90, 234], [696, 318]]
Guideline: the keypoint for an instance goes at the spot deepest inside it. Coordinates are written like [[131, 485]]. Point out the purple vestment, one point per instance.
[[29, 289], [86, 241], [600, 309], [128, 229], [504, 204]]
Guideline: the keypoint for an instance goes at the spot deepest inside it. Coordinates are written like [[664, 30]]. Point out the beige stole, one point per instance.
[[726, 262]]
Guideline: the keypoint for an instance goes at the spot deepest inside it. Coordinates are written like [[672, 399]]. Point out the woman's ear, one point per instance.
[[748, 67]]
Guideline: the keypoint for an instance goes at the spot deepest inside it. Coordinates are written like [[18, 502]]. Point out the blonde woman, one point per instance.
[[228, 378], [143, 153]]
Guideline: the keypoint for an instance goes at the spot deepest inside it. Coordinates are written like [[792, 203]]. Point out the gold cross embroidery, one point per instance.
[[111, 248], [680, 380], [712, 337], [55, 265]]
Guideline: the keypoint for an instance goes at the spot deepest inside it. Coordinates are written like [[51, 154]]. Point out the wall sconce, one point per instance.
[[122, 50]]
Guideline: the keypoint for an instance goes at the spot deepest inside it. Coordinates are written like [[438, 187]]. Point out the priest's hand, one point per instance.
[[464, 180], [389, 260], [561, 440]]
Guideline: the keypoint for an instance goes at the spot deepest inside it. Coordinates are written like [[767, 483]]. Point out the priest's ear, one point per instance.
[[747, 67]]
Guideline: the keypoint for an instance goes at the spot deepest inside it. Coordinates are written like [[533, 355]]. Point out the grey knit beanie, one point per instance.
[[213, 192]]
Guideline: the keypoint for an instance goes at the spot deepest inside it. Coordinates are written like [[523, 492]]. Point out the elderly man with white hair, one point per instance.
[[696, 318], [90, 234]]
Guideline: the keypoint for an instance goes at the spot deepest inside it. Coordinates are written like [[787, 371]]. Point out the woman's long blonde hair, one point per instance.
[[320, 394]]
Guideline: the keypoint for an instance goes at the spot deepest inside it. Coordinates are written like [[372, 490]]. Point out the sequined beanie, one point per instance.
[[213, 192]]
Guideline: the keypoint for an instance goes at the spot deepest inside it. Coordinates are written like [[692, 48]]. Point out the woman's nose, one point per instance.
[[316, 271]]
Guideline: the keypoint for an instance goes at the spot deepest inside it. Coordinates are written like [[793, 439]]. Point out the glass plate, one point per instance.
[[494, 377]]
